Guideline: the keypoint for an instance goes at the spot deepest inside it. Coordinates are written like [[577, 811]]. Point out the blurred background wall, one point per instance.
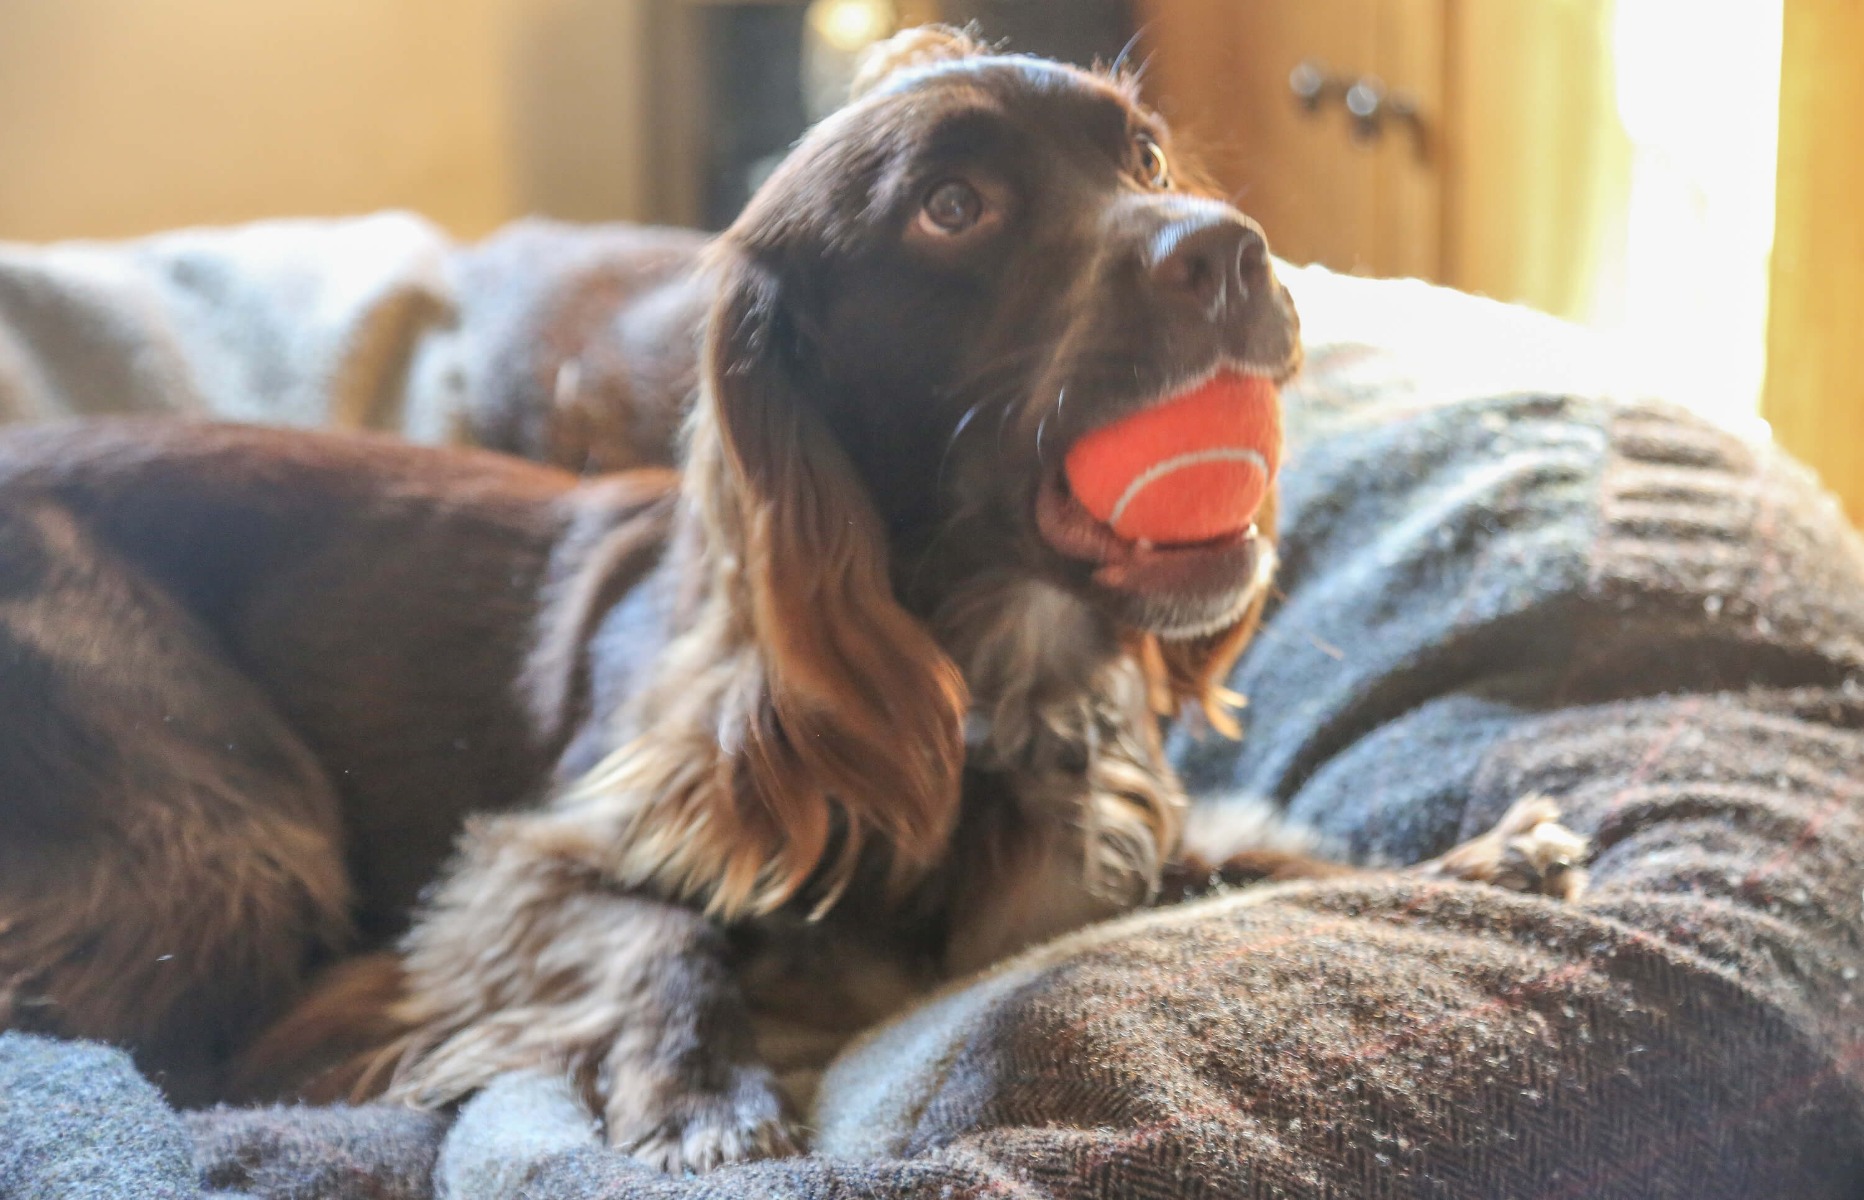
[[124, 116], [1610, 161]]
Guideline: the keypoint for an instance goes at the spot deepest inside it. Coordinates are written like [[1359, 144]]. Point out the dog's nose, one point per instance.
[[1215, 261]]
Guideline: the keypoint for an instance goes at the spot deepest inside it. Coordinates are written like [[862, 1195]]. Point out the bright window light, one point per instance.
[[1698, 92]]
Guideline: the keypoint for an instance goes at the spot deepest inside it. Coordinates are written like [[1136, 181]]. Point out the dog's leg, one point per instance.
[[1188, 876], [170, 853], [1242, 843], [1527, 851], [1236, 842], [527, 958], [330, 1047]]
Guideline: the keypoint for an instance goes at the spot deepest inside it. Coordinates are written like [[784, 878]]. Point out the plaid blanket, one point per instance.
[[1499, 580]]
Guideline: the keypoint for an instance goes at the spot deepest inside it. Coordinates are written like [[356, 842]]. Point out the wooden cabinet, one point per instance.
[[1815, 362], [1221, 71], [1501, 192]]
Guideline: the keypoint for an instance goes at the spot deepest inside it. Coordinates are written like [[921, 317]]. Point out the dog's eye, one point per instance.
[[1154, 167], [951, 208]]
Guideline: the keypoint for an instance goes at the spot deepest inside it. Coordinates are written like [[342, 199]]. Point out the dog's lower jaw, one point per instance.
[[1264, 562]]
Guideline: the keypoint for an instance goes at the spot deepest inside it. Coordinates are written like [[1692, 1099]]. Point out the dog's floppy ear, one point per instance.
[[804, 714], [861, 711], [920, 46]]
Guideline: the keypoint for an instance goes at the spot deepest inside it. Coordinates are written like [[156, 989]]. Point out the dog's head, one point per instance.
[[982, 259], [942, 289]]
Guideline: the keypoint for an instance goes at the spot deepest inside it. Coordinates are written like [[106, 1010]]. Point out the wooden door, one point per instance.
[[1536, 158], [1221, 71], [1815, 343]]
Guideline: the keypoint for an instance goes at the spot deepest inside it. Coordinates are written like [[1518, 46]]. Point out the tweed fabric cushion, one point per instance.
[[1500, 581]]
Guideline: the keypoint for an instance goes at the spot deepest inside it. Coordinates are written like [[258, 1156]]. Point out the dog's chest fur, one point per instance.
[[1036, 852]]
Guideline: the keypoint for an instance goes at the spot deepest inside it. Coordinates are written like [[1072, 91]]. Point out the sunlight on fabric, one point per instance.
[[1698, 92]]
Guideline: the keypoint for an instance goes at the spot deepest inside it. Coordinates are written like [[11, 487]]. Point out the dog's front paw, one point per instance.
[[690, 1130], [1527, 851]]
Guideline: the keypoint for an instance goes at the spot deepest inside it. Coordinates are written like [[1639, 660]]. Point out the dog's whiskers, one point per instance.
[[951, 443], [1118, 68]]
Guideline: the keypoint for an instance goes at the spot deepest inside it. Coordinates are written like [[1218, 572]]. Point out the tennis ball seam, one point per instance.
[[1193, 458]]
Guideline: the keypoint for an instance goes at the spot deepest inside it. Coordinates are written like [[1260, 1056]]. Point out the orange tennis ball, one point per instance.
[[1190, 469]]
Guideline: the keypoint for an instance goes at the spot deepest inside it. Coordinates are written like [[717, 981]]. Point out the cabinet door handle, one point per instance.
[[1313, 85], [1369, 104]]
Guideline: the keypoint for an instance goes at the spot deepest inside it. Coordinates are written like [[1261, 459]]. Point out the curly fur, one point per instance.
[[977, 742], [824, 713]]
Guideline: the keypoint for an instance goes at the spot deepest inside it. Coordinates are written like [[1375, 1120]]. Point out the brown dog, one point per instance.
[[822, 719]]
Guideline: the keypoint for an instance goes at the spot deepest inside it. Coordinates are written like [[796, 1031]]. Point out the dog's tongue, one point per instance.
[[1194, 468]]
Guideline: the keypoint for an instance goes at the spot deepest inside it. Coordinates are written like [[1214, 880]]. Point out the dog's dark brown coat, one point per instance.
[[255, 682]]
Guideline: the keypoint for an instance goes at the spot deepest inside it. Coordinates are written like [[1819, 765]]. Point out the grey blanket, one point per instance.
[[547, 340], [1500, 580]]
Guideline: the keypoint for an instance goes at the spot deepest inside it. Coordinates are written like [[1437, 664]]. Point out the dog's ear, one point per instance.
[[804, 714], [861, 711], [920, 46], [1190, 673]]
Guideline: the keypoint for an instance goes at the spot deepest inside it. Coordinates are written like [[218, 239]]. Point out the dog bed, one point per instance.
[[1500, 579]]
